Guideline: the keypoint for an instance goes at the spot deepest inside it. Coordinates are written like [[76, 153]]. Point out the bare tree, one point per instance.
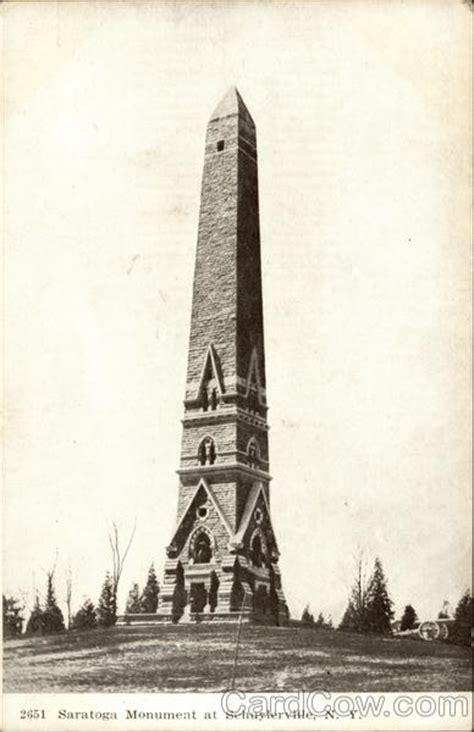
[[68, 596], [355, 615], [361, 587], [49, 573], [118, 559]]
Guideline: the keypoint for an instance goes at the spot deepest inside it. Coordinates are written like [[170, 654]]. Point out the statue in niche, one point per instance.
[[253, 455], [202, 551], [207, 451], [257, 554]]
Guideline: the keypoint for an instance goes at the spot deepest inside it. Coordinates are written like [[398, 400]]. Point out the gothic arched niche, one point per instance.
[[201, 547], [258, 549], [253, 453], [207, 451]]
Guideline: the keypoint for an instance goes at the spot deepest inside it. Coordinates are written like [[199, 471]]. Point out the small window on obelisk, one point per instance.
[[220, 145]]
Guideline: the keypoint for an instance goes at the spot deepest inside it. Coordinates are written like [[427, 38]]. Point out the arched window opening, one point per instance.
[[257, 554], [214, 399], [201, 552], [207, 451]]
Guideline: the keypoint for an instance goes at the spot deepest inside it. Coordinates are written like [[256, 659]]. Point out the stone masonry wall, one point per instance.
[[224, 435], [214, 309], [225, 494]]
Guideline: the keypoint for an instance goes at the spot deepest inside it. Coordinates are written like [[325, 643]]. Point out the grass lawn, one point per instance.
[[200, 658]]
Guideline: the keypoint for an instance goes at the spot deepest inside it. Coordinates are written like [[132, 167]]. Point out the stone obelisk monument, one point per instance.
[[222, 561]]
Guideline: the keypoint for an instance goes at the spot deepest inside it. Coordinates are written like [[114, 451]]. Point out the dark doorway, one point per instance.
[[198, 597]]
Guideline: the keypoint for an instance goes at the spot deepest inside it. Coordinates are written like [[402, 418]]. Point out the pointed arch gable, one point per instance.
[[255, 492], [211, 359], [203, 485]]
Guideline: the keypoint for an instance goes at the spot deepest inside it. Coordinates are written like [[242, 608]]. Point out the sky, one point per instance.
[[363, 128]]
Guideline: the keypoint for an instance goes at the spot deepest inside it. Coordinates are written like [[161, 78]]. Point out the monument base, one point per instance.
[[246, 616]]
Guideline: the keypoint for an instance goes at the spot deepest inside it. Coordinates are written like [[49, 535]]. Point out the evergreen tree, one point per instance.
[[462, 630], [379, 605], [351, 619], [409, 618], [179, 595], [307, 616], [320, 622], [35, 624], [106, 607], [53, 619], [134, 604], [273, 604], [12, 617], [213, 590], [149, 598], [85, 618], [237, 593]]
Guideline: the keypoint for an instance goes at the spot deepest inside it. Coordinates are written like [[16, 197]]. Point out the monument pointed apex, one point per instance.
[[231, 104]]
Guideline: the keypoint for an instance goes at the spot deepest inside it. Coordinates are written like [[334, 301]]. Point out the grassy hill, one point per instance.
[[200, 658]]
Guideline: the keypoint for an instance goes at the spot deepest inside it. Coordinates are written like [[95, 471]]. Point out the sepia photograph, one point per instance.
[[237, 365]]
